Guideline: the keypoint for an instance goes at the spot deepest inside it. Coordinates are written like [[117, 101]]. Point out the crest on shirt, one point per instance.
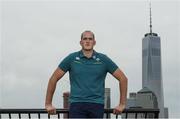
[[94, 57], [77, 58], [98, 61]]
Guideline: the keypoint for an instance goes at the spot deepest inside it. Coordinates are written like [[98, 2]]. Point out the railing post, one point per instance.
[[58, 116], [116, 116], [126, 115], [145, 115], [39, 116], [48, 116], [9, 115], [68, 115], [29, 115], [19, 114], [135, 115], [156, 116], [107, 115]]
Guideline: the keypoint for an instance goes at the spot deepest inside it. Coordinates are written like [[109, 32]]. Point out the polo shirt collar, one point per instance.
[[94, 55]]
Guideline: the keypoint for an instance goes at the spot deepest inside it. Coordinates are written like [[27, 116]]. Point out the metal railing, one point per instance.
[[63, 113]]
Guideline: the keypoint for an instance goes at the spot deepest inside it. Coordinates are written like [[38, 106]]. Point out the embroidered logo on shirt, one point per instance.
[[77, 58], [97, 63], [78, 62], [94, 57], [97, 59]]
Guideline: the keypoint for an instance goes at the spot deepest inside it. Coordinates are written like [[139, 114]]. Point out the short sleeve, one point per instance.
[[65, 63], [110, 65]]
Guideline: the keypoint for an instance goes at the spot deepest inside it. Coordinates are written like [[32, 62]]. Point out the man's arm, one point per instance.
[[118, 74], [58, 74]]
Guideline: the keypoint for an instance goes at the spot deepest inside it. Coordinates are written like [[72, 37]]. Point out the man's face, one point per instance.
[[87, 42]]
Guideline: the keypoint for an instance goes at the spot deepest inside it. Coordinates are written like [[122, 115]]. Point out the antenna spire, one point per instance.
[[150, 25], [150, 18]]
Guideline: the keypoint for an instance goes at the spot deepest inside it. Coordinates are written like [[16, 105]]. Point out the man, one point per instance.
[[87, 71]]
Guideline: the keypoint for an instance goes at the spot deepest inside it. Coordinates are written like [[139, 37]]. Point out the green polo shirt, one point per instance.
[[87, 76]]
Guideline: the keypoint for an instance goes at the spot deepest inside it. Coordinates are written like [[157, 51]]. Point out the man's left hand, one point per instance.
[[119, 109]]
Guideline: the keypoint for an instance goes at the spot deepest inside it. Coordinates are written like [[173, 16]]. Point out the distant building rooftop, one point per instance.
[[145, 90], [151, 34]]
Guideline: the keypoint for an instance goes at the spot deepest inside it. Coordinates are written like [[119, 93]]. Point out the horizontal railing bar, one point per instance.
[[30, 111], [129, 110], [107, 111], [140, 110]]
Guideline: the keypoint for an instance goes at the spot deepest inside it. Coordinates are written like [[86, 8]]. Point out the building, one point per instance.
[[151, 67], [151, 95], [66, 103], [144, 98], [131, 101], [107, 98], [166, 113]]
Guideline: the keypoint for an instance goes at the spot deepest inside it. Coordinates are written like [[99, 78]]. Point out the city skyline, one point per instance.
[[37, 35]]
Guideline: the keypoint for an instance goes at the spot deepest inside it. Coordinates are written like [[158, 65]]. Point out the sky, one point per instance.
[[37, 35]]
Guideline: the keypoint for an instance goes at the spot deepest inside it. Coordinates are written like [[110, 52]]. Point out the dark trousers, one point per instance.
[[86, 110]]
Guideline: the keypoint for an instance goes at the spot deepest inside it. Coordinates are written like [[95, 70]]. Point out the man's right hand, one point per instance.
[[50, 109]]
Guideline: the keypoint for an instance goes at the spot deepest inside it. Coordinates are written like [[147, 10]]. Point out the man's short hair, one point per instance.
[[86, 32]]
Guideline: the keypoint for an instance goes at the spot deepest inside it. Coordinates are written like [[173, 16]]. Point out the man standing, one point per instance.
[[87, 71]]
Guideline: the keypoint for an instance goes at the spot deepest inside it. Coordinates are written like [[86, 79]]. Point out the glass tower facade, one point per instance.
[[151, 67]]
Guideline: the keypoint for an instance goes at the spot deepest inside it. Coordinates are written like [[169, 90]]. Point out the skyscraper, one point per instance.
[[151, 66]]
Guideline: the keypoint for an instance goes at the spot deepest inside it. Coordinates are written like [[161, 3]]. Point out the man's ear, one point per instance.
[[94, 42], [80, 42]]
